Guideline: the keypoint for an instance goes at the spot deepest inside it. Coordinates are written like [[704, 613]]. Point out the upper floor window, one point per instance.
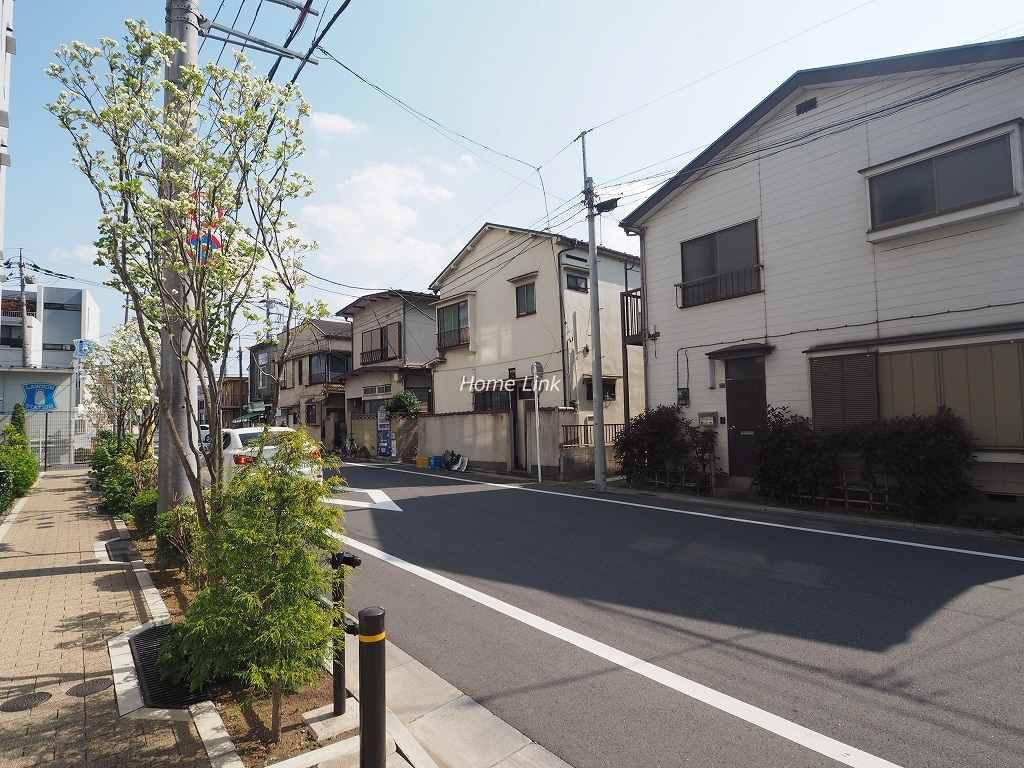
[[453, 325], [607, 389], [721, 265], [526, 302], [976, 176], [948, 182], [576, 283], [381, 344], [329, 367]]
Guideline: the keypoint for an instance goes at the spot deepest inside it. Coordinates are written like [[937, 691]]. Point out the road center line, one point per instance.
[[787, 729], [744, 521]]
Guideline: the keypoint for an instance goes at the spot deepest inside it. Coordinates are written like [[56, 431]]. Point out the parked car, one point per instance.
[[240, 448]]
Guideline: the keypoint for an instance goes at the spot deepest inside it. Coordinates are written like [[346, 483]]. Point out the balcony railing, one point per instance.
[[453, 338], [374, 356], [15, 313], [727, 285], [632, 317], [583, 434]]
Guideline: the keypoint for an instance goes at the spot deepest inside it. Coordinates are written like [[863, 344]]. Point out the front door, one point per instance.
[[746, 406]]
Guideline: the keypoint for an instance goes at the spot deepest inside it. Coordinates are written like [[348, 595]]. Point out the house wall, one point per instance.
[[823, 281], [482, 437]]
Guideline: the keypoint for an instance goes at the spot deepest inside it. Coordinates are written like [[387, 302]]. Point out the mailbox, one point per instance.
[[707, 418]]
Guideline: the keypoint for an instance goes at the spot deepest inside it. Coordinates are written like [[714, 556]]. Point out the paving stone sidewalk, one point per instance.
[[59, 605]]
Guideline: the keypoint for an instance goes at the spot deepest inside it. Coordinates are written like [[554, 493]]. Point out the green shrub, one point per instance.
[[922, 461], [143, 509], [661, 446], [17, 460], [178, 536], [18, 419]]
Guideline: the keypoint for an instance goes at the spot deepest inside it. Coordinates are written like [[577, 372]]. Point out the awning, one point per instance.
[[250, 416], [741, 350]]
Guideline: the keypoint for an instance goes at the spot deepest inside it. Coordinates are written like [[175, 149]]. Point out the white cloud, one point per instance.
[[329, 124], [365, 229]]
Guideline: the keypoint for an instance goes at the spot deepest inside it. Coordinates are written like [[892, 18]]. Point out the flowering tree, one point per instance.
[[192, 197], [120, 387]]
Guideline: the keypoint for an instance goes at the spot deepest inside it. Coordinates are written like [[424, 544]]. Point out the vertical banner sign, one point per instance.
[[383, 432]]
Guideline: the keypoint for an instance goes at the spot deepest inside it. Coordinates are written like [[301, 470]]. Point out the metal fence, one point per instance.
[[583, 434], [60, 439]]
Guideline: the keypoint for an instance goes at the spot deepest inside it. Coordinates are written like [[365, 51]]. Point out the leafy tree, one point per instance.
[[17, 460], [121, 388], [192, 193], [259, 619], [18, 419], [403, 403]]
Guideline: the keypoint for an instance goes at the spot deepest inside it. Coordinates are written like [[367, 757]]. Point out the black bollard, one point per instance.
[[372, 707], [338, 561]]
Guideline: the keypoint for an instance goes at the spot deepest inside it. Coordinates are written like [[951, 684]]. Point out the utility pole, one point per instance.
[[25, 351], [172, 485], [600, 466]]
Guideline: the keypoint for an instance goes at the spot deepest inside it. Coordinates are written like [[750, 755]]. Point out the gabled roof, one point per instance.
[[331, 327], [560, 240], [981, 53], [392, 293]]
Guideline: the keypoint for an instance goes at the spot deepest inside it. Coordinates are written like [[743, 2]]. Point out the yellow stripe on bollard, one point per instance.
[[371, 638]]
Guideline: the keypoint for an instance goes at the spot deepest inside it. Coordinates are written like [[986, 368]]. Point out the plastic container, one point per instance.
[[422, 461], [434, 462]]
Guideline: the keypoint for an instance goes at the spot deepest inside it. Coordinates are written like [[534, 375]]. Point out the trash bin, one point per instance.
[[434, 462]]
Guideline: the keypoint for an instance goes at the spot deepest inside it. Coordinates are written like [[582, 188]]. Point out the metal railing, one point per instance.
[[453, 338], [583, 434], [632, 317], [727, 285]]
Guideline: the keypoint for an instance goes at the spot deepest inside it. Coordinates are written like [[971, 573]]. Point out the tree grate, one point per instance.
[[90, 687], [122, 550], [155, 691], [21, 703]]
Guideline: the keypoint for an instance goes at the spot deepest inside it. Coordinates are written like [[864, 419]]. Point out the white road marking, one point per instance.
[[787, 729], [742, 521], [378, 500]]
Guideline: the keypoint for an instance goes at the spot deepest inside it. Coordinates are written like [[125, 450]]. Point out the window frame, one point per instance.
[[608, 389], [526, 299], [708, 289], [1013, 199], [582, 282], [458, 336]]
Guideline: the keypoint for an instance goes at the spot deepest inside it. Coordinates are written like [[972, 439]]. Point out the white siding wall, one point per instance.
[[823, 281]]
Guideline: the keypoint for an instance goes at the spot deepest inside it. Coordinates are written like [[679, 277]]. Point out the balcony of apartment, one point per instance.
[[727, 285], [457, 337], [632, 317]]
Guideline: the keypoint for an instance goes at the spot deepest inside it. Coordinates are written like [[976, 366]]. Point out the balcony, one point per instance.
[[457, 337], [632, 317], [727, 285]]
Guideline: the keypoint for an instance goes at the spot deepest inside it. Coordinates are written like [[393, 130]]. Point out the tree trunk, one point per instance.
[[275, 712]]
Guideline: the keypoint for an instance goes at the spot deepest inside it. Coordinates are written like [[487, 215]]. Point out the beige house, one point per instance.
[[312, 387], [393, 341], [513, 297]]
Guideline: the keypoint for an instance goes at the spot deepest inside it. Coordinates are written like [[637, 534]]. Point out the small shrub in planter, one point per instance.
[[143, 509], [177, 538]]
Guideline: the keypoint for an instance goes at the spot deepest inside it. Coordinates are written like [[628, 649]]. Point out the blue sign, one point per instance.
[[39, 397], [83, 347]]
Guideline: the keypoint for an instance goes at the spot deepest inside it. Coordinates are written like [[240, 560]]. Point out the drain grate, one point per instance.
[[29, 700], [122, 550], [156, 692], [89, 687]]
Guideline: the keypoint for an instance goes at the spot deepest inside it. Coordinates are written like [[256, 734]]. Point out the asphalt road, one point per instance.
[[629, 630]]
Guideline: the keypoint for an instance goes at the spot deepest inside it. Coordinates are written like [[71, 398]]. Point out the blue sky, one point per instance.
[[396, 198]]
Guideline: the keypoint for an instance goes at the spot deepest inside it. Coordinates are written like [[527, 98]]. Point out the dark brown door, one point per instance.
[[746, 406]]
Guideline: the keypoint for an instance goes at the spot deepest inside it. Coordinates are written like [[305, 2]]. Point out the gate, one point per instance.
[[60, 439]]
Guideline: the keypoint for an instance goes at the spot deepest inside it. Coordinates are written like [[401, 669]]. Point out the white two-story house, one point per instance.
[[853, 248], [512, 297]]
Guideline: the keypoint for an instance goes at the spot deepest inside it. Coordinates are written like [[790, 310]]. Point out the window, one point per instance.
[[965, 177], [492, 400], [722, 265], [327, 367], [59, 305], [379, 389], [607, 389], [311, 414], [576, 283], [381, 344], [298, 363], [453, 325], [526, 303], [844, 390]]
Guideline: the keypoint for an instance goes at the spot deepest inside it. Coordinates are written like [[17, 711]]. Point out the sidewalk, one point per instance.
[[60, 605], [64, 669]]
